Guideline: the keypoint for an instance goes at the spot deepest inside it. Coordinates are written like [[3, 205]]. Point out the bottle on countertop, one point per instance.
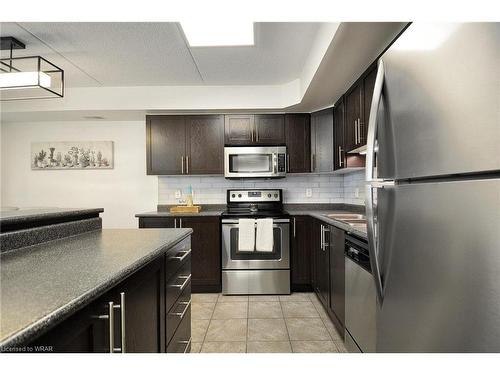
[[189, 196]]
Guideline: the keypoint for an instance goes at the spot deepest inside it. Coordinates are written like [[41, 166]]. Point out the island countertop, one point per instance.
[[43, 284]]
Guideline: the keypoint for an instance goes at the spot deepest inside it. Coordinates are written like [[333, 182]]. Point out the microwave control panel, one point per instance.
[[281, 162]]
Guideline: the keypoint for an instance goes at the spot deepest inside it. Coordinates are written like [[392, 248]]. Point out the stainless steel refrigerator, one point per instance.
[[433, 190]]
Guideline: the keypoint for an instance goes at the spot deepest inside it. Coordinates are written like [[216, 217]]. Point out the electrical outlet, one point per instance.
[[178, 194], [309, 193], [356, 192]]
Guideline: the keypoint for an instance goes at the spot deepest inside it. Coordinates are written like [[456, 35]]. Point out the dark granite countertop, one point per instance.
[[36, 214], [43, 284], [317, 211]]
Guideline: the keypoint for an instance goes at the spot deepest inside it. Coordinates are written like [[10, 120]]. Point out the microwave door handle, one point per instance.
[[275, 163]]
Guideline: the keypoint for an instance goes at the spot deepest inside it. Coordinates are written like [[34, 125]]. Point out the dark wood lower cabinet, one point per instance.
[[206, 248], [139, 310], [337, 277], [301, 254]]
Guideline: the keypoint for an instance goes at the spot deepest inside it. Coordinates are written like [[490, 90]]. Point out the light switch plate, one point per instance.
[[309, 193], [356, 192], [178, 194]]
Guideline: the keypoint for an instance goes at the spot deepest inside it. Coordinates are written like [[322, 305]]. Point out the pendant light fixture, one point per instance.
[[28, 77]]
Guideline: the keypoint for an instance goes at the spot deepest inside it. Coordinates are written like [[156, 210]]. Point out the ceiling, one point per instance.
[[156, 54]]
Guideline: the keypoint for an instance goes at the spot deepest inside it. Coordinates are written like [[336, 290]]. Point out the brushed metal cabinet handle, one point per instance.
[[175, 222], [187, 164], [182, 164], [288, 162], [183, 285], [181, 314], [294, 228], [181, 258], [188, 342], [123, 321], [340, 157], [110, 317], [180, 223]]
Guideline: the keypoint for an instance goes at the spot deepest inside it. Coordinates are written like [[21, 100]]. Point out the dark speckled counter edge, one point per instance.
[[37, 216], [41, 326]]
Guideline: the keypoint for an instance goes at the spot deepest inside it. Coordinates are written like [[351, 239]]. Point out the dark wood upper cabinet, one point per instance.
[[254, 129], [337, 276], [322, 141], [298, 142], [238, 129], [301, 254], [205, 144], [338, 137], [353, 116], [165, 145], [368, 86], [185, 144], [270, 129]]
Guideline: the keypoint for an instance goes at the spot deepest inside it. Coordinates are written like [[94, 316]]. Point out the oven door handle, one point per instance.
[[275, 221]]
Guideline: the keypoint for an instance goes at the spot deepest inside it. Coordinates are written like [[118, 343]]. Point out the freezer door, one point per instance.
[[440, 110], [440, 267]]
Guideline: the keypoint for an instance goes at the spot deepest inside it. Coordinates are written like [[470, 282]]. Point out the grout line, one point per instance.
[[286, 326]]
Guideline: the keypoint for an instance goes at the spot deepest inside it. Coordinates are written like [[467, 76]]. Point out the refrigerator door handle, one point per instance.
[[373, 183]]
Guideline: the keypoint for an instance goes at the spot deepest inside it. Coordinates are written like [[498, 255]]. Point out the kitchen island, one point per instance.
[[45, 285]]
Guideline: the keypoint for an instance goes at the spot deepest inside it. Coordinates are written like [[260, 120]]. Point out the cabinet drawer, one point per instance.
[[177, 257], [156, 222], [181, 342], [177, 284], [178, 312]]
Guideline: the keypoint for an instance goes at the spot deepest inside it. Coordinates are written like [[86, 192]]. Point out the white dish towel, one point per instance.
[[246, 235], [265, 238]]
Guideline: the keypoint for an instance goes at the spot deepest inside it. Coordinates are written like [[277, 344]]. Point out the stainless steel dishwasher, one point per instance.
[[360, 298]]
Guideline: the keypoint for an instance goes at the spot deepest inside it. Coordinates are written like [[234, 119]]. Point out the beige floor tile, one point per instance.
[[306, 329], [204, 297], [299, 309], [227, 330], [195, 347], [199, 329], [341, 347], [321, 310], [296, 297], [269, 347], [263, 298], [267, 330], [332, 330], [314, 347], [230, 310], [264, 310], [223, 298], [202, 310], [224, 347]]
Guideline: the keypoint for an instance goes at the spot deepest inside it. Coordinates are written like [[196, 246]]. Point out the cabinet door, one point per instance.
[[165, 144], [270, 129], [322, 132], [353, 106], [298, 142], [205, 253], [205, 144], [322, 261], [338, 123], [337, 275], [144, 310], [83, 332], [238, 129], [368, 86], [301, 254]]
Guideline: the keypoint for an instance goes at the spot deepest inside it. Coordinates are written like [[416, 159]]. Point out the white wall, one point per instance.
[[122, 191]]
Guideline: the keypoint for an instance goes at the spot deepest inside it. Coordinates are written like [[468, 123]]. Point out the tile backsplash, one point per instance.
[[212, 189]]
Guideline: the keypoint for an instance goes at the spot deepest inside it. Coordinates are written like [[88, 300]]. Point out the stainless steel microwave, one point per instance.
[[255, 162]]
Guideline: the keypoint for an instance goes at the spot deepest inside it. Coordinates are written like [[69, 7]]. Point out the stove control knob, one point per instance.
[[233, 195], [269, 195], [275, 195], [239, 195]]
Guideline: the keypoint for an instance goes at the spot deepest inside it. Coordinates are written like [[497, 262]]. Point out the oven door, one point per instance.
[[255, 162], [233, 259]]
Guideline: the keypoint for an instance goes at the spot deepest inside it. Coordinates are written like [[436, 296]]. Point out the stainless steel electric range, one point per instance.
[[255, 272]]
